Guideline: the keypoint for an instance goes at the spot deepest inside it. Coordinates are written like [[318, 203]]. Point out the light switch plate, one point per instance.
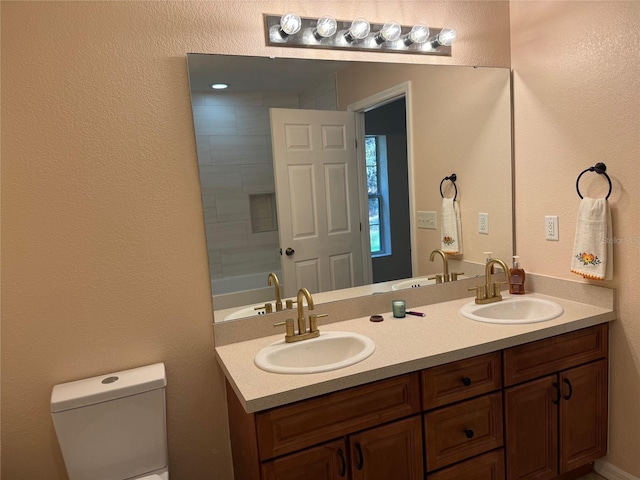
[[427, 220]]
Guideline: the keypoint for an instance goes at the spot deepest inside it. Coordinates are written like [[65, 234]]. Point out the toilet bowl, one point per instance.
[[113, 427]]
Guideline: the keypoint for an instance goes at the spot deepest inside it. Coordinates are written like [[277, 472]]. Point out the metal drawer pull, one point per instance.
[[556, 401], [468, 432], [343, 468], [570, 394], [360, 463], [466, 381]]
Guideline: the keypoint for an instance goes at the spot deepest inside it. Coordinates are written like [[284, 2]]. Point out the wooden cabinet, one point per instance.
[[534, 411], [393, 450], [557, 423], [390, 451]]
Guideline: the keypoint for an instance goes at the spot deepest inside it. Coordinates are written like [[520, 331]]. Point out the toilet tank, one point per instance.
[[113, 426]]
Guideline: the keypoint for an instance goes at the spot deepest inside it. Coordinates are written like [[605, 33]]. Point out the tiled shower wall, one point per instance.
[[236, 175]]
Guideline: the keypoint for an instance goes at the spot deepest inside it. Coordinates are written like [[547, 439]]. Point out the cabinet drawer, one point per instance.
[[489, 466], [463, 430], [325, 462], [460, 380], [310, 422], [551, 355]]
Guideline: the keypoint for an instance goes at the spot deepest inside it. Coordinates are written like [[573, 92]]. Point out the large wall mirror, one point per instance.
[[383, 137]]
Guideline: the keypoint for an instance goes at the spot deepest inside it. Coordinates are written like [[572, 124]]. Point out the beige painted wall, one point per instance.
[[577, 102], [104, 263]]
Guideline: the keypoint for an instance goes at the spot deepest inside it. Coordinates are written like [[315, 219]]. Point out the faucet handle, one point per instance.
[[480, 292], [266, 307], [496, 288], [313, 321], [437, 278], [290, 303], [289, 326], [454, 275]]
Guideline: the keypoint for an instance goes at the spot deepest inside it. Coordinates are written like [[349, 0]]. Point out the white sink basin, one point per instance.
[[412, 283], [329, 351], [513, 310]]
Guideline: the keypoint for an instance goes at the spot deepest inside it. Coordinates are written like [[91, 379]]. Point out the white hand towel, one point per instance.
[[451, 231], [593, 249]]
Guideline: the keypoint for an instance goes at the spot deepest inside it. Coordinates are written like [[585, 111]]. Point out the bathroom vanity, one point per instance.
[[454, 399]]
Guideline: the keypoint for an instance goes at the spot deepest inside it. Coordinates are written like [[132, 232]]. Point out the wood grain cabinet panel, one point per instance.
[[303, 424], [489, 466], [326, 462], [531, 426], [537, 359], [463, 430], [392, 451], [460, 380], [557, 423], [583, 415]]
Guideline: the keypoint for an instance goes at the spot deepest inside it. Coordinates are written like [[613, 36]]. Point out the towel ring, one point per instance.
[[453, 177], [599, 168]]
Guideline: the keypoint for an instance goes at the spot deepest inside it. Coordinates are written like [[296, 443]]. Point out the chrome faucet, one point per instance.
[[272, 280], [490, 292], [302, 334]]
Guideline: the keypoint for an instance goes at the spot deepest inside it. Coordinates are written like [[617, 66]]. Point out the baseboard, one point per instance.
[[611, 472]]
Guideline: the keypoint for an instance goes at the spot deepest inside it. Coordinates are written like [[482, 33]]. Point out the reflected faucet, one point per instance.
[[272, 280], [303, 293], [445, 276]]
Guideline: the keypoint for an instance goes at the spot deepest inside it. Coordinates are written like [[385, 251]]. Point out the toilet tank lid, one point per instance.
[[107, 387]]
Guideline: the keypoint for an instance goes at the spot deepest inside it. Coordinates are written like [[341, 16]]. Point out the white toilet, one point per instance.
[[113, 427]]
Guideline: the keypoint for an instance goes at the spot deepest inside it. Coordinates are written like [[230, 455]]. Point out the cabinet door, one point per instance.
[[583, 415], [325, 462], [531, 428], [392, 451]]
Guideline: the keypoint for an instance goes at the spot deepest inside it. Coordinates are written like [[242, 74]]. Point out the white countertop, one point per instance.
[[403, 345]]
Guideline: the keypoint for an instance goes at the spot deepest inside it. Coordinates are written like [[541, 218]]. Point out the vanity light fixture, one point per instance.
[[418, 34], [219, 86], [290, 30], [390, 32], [445, 38], [359, 30], [325, 28], [289, 25]]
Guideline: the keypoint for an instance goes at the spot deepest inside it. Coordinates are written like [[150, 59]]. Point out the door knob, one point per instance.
[[289, 251]]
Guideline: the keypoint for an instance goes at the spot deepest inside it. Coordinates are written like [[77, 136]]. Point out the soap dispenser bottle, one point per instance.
[[516, 277]]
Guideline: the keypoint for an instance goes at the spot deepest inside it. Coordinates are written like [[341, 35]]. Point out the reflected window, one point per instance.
[[378, 190]]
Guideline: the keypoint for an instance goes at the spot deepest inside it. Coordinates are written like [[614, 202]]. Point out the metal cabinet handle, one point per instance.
[[466, 381], [468, 433], [343, 468], [570, 394], [556, 400], [360, 463]]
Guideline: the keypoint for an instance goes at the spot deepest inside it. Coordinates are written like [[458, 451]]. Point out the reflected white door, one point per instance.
[[316, 178]]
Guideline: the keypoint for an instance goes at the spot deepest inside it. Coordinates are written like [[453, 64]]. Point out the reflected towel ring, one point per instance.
[[599, 168], [453, 179]]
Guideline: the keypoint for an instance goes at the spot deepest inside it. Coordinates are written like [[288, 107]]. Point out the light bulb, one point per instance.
[[219, 86], [418, 34], [359, 29], [447, 36], [389, 32], [290, 23], [325, 27]]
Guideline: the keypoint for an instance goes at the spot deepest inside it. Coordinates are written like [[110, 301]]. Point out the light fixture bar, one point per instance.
[[307, 37]]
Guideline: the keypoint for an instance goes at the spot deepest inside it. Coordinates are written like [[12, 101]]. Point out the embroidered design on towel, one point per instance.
[[448, 240], [588, 259]]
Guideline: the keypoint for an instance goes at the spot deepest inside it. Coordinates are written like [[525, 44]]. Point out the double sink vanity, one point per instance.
[[512, 389]]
